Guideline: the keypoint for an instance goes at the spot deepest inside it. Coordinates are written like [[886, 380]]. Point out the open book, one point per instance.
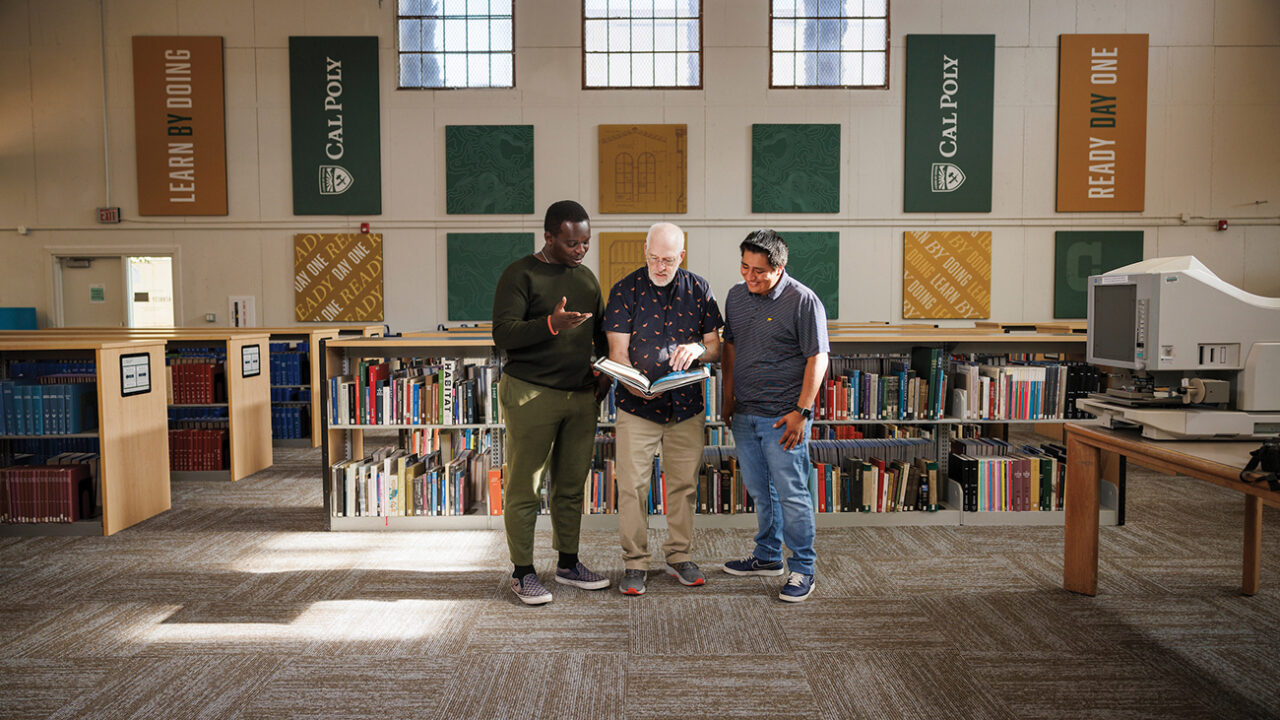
[[628, 375]]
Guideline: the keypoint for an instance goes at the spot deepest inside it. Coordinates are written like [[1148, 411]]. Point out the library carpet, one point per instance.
[[237, 603]]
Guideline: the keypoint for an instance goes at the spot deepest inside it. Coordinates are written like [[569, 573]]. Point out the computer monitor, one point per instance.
[[1119, 318]]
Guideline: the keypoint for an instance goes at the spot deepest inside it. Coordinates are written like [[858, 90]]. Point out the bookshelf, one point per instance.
[[133, 465], [347, 441]]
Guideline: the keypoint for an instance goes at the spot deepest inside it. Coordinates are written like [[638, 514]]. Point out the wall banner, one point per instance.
[[333, 94], [946, 275], [643, 168], [1102, 123], [337, 278], [950, 104], [1080, 253], [180, 125]]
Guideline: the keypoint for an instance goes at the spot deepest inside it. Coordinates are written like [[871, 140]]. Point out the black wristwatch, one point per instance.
[[805, 413]]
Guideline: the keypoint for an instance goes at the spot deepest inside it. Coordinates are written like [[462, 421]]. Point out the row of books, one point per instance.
[[61, 493], [1022, 391], [60, 405], [198, 414], [198, 450], [32, 369], [873, 484], [290, 422], [39, 451], [290, 394], [196, 381], [996, 476], [893, 386], [290, 364], [418, 392], [393, 482]]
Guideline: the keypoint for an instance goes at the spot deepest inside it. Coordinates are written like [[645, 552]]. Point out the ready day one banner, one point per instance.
[[333, 92], [179, 125], [950, 98], [1102, 123]]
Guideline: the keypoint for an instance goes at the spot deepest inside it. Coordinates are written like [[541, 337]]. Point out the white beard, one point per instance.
[[662, 283]]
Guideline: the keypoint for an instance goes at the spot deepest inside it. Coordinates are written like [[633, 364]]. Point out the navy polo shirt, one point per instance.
[[658, 319]]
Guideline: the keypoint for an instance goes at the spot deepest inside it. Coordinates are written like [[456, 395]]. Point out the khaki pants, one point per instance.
[[550, 436], [681, 444]]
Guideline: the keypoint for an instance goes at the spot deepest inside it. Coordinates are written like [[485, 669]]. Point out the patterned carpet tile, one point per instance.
[[893, 684], [1174, 622], [354, 688], [199, 687], [576, 621], [950, 575], [741, 687], [60, 630], [706, 626], [1240, 680], [1105, 683], [826, 622], [1012, 621], [537, 684], [37, 688]]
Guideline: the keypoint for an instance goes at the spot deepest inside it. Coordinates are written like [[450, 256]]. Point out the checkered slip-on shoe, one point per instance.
[[581, 577], [530, 590]]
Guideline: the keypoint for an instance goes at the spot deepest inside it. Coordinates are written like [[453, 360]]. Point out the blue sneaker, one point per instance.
[[753, 566], [581, 577], [798, 588]]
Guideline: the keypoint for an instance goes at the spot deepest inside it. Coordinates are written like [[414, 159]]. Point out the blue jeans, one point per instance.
[[778, 481]]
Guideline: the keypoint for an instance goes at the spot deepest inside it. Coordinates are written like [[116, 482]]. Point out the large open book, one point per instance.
[[632, 377]]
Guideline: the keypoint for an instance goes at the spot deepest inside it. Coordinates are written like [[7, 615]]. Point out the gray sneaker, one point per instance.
[[581, 577], [530, 590], [687, 573], [632, 583]]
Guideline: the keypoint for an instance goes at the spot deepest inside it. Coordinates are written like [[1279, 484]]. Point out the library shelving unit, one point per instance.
[[347, 441], [132, 428], [311, 382]]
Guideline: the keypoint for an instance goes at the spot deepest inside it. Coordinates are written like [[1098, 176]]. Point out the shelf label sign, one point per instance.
[[337, 278], [180, 125], [333, 94], [135, 374], [250, 360], [1102, 123], [946, 275], [950, 105]]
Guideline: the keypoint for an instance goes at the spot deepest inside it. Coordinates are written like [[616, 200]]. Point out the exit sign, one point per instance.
[[109, 215]]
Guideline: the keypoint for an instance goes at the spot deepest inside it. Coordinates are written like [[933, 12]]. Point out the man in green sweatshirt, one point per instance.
[[547, 317]]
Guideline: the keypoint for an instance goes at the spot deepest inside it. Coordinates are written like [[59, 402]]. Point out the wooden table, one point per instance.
[[1219, 463]]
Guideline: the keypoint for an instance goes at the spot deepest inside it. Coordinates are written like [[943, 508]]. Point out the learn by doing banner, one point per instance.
[[950, 87], [1102, 123], [333, 91], [179, 125]]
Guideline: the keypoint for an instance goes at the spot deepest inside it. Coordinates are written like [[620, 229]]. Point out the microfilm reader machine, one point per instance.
[[1198, 358]]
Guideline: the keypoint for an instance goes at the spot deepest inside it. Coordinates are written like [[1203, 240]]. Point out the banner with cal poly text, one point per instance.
[[333, 92], [950, 104], [1102, 123]]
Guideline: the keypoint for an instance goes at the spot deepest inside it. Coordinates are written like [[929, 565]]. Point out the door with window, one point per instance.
[[116, 291]]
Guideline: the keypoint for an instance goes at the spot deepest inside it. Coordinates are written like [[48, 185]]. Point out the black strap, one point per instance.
[[1255, 459]]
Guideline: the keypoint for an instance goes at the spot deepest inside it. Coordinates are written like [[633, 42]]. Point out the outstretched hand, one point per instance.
[[562, 319]]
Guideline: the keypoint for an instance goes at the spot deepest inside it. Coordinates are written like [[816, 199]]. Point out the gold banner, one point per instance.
[[337, 278], [179, 125], [946, 275], [1102, 123], [643, 169], [620, 254]]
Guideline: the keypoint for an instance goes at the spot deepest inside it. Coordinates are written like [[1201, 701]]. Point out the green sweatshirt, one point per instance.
[[527, 293]]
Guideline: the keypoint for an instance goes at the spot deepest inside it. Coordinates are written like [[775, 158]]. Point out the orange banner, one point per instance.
[[1102, 123], [180, 125], [643, 168], [337, 278], [946, 275]]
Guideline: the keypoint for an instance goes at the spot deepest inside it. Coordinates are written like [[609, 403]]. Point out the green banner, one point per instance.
[[813, 258], [476, 261], [1081, 253], [950, 86], [333, 92]]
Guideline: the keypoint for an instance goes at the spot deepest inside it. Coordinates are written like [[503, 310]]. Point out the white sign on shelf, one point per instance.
[[250, 361], [135, 374]]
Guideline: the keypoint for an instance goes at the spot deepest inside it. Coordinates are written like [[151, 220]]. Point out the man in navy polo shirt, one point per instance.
[[660, 319], [775, 356]]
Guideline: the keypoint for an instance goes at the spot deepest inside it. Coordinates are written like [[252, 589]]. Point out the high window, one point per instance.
[[829, 43], [455, 43], [642, 43]]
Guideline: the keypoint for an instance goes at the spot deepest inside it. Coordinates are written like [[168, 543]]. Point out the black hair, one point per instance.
[[561, 211], [769, 243]]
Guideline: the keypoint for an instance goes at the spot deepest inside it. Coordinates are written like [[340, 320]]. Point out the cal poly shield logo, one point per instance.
[[335, 180], [945, 177]]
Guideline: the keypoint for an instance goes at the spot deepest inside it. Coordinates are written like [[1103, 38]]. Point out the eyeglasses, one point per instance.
[[662, 262]]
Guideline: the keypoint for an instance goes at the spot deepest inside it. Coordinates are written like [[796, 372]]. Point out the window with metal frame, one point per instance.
[[455, 43], [642, 44], [829, 43]]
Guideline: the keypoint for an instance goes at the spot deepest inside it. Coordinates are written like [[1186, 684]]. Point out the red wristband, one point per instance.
[[553, 330]]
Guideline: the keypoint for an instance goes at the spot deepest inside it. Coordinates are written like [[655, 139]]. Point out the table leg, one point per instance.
[[1252, 544], [1080, 551]]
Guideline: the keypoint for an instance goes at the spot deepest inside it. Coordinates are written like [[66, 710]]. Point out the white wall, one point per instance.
[[1212, 148]]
